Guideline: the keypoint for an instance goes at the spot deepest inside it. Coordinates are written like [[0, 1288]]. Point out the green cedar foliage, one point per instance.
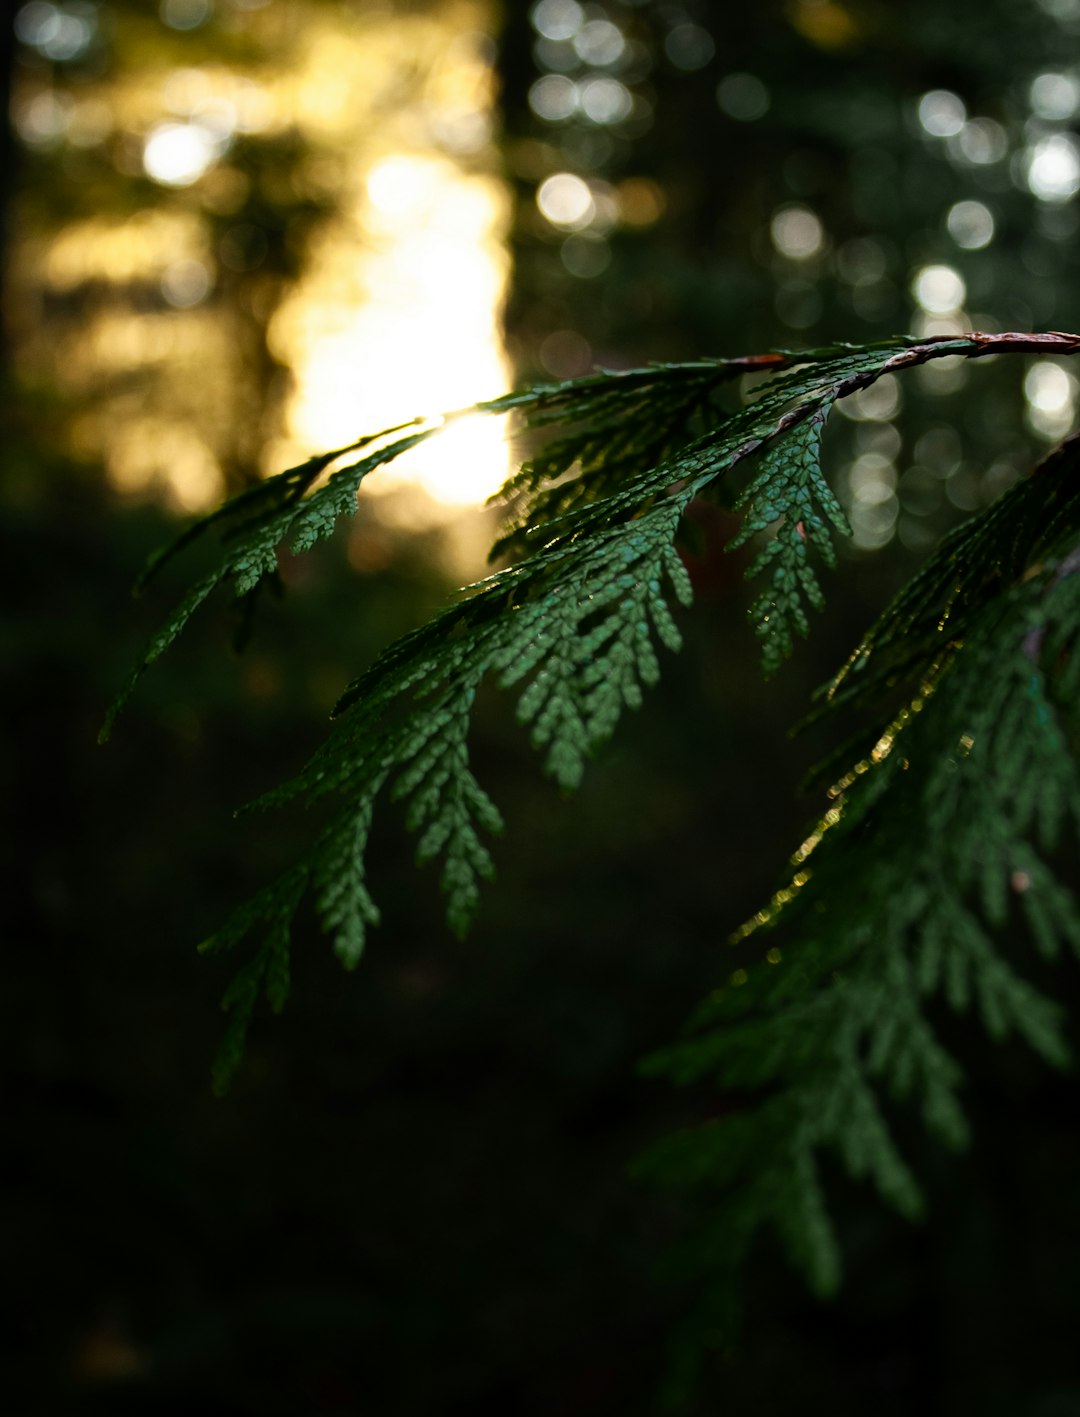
[[950, 822], [939, 842]]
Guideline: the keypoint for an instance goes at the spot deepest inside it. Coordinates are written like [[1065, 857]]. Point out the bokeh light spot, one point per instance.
[[939, 290], [1053, 168], [1048, 387], [557, 19], [45, 120], [177, 154], [186, 14], [554, 98], [641, 201], [942, 113], [689, 47], [599, 42], [1050, 392], [877, 404], [796, 232], [566, 354], [980, 142], [742, 96], [606, 101], [1054, 96], [185, 283], [59, 32], [585, 255], [565, 200], [873, 523], [970, 224]]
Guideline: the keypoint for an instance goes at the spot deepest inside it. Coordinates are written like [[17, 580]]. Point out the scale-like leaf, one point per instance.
[[574, 626]]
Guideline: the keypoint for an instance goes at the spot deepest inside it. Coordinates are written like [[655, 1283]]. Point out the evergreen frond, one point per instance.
[[253, 527], [790, 494], [574, 625], [971, 565], [935, 847]]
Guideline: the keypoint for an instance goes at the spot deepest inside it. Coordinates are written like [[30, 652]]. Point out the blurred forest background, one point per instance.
[[237, 232]]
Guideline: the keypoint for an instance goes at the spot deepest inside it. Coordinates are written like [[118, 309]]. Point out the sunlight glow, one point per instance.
[[382, 298], [138, 249], [397, 313], [404, 323], [177, 154]]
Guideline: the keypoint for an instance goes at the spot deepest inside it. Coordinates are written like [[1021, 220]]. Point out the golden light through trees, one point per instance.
[[269, 239]]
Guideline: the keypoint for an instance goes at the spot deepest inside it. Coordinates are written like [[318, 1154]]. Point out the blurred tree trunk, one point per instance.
[[8, 161]]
